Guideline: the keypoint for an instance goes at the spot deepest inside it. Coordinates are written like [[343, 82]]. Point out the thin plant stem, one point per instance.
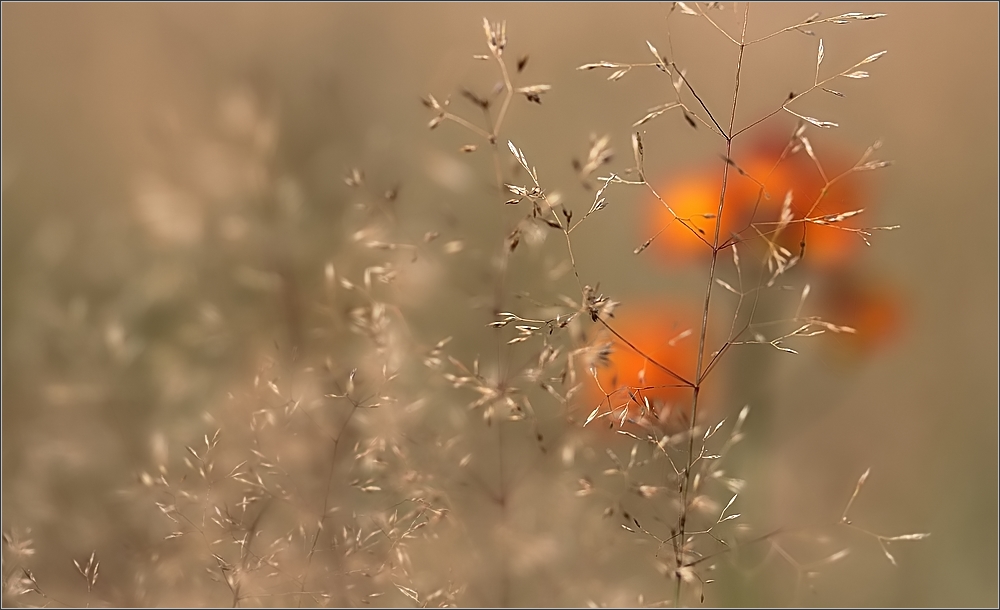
[[703, 333]]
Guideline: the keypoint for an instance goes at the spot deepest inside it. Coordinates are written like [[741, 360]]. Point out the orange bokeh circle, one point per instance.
[[756, 187], [638, 384]]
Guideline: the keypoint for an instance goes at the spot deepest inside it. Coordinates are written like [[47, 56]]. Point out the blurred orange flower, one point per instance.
[[873, 307], [816, 194], [682, 225], [759, 179], [644, 368]]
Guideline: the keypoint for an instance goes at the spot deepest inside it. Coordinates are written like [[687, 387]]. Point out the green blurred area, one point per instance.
[[173, 193]]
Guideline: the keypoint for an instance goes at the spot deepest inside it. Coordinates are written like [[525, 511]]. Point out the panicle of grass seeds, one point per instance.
[[779, 260]]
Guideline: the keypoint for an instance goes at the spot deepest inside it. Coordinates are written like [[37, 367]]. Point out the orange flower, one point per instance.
[[643, 372], [873, 307], [813, 196], [684, 231], [687, 233]]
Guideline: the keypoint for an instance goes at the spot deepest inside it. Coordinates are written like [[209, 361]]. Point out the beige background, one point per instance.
[[104, 104]]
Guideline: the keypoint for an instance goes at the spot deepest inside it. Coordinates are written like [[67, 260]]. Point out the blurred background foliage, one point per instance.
[[176, 219]]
